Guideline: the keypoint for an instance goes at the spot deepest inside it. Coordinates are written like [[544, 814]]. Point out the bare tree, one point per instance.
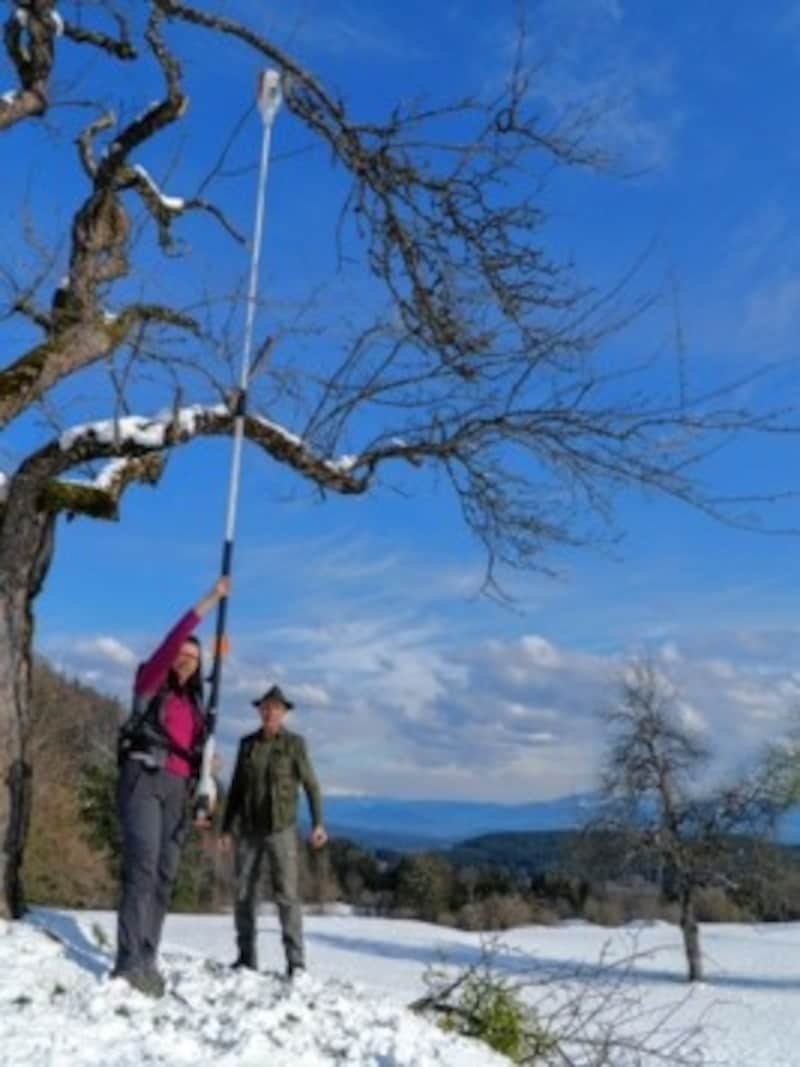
[[481, 361], [662, 811]]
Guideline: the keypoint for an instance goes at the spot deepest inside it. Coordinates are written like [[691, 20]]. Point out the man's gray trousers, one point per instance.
[[282, 854]]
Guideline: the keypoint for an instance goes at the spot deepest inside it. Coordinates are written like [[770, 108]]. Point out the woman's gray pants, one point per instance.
[[281, 850], [153, 814]]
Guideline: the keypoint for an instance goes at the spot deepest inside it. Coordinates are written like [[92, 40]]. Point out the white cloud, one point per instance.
[[669, 652], [356, 34], [352, 31], [343, 791], [526, 712], [540, 651], [626, 82], [690, 717], [750, 304], [772, 311], [754, 239], [419, 702], [313, 696], [108, 649], [720, 668]]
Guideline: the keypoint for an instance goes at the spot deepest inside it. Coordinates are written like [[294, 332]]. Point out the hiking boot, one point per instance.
[[295, 970]]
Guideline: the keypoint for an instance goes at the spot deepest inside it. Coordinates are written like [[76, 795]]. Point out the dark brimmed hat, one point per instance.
[[274, 693]]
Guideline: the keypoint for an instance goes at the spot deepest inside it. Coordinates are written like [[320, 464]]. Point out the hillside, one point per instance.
[[532, 851], [540, 850], [73, 729]]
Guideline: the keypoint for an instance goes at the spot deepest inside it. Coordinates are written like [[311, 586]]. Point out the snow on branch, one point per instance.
[[58, 23], [165, 208], [100, 496], [137, 447], [297, 453], [107, 477], [136, 437], [147, 432], [169, 203]]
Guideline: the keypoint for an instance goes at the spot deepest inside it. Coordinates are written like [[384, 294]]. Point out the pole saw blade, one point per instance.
[[206, 799], [269, 94]]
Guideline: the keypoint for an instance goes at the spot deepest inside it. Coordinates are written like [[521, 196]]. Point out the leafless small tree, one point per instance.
[[662, 812], [571, 1015], [478, 358]]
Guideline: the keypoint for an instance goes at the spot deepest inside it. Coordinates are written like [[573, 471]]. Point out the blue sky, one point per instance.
[[367, 611]]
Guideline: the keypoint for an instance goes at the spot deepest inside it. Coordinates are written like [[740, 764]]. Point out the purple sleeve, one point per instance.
[[153, 671]]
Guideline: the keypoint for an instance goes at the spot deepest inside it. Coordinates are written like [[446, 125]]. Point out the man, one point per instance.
[[261, 817]]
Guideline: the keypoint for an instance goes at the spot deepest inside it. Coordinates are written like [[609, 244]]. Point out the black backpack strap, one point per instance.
[[140, 723], [143, 731]]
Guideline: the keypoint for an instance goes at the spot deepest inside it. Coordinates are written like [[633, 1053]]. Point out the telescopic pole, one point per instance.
[[269, 100]]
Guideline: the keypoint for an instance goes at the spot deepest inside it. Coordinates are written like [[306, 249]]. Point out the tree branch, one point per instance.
[[100, 498], [121, 47], [138, 445], [29, 34], [164, 209], [30, 376]]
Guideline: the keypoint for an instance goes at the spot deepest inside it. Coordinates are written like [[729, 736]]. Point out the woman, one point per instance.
[[160, 749]]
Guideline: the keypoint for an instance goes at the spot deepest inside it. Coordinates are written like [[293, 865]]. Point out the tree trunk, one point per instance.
[[26, 548], [691, 935]]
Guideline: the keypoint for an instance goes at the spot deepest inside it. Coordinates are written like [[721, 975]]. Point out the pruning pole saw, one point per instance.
[[269, 99]]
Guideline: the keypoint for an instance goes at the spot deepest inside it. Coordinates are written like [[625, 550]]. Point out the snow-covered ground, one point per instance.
[[58, 1007]]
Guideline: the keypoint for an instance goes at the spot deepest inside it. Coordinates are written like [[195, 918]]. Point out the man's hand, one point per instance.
[[318, 837], [224, 843]]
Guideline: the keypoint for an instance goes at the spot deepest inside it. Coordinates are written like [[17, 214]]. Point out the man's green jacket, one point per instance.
[[263, 793]]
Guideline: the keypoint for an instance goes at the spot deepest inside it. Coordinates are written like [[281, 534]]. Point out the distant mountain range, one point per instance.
[[405, 825], [408, 824]]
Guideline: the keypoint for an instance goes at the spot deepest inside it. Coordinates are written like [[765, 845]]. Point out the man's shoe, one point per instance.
[[148, 982], [244, 962], [154, 983]]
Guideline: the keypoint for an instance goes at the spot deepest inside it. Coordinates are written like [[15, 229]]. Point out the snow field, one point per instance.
[[58, 1007]]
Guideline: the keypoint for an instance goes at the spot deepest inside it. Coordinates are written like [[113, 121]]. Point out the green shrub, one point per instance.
[[607, 911], [483, 1005], [713, 905]]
